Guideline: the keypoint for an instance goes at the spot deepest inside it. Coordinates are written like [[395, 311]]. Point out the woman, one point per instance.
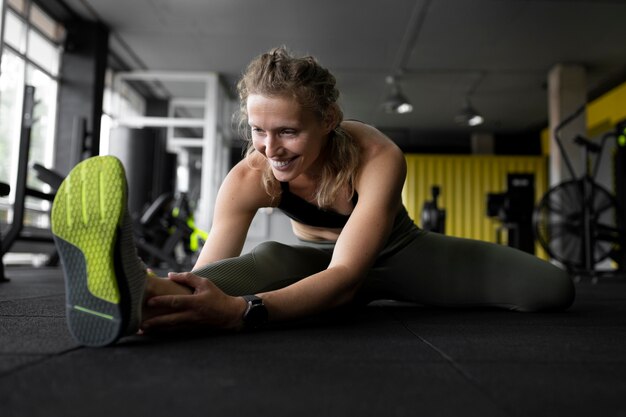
[[340, 182]]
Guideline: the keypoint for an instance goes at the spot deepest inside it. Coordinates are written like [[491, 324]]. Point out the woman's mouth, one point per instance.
[[281, 164]]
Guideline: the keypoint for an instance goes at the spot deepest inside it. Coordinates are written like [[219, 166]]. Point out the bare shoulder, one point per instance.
[[376, 147], [244, 185]]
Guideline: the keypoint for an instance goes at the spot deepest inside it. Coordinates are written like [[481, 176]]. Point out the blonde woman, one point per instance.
[[339, 181]]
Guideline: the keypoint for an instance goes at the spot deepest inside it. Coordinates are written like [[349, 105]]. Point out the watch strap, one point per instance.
[[251, 297], [256, 312]]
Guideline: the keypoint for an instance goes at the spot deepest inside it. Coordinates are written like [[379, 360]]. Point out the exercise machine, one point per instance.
[[514, 209], [5, 189], [578, 221], [166, 234], [433, 218], [16, 229]]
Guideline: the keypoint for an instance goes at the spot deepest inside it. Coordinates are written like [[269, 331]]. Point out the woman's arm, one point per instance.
[[379, 184], [238, 200]]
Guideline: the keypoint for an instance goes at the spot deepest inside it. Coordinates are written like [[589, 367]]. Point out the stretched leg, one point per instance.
[[445, 271], [267, 267]]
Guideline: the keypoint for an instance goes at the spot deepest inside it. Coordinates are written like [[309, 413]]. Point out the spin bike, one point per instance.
[[579, 222]]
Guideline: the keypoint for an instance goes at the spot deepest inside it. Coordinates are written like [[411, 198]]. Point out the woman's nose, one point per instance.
[[272, 145]]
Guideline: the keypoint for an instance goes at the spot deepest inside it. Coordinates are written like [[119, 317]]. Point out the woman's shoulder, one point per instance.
[[245, 180], [244, 171], [373, 142], [380, 160]]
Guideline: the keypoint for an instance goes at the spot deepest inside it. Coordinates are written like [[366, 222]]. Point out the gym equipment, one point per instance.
[[5, 189], [166, 233], [54, 180], [579, 222], [50, 177], [20, 187], [619, 179], [514, 208], [16, 229], [433, 218]]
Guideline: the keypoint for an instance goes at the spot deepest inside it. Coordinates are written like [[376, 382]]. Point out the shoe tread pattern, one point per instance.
[[87, 213], [86, 217]]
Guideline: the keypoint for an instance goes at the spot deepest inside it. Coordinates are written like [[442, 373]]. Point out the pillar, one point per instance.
[[567, 91]]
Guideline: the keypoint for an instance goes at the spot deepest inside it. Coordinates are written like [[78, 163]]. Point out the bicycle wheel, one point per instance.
[[558, 223]]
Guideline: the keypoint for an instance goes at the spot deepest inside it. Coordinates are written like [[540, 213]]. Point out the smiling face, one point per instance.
[[290, 137]]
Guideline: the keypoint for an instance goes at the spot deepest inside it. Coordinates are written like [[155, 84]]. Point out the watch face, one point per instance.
[[256, 316]]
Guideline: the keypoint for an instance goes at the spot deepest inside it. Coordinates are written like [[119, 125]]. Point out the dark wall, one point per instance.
[[518, 144], [415, 141], [412, 141], [149, 169], [81, 89]]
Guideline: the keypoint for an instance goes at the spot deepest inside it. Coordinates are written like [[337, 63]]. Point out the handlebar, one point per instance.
[[557, 136], [580, 140], [587, 144]]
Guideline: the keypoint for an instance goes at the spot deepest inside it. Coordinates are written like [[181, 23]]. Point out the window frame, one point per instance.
[[36, 211]]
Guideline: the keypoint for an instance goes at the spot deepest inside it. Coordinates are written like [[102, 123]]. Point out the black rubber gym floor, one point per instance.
[[387, 359]]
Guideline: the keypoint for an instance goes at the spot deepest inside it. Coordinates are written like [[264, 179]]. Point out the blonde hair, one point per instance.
[[278, 73]]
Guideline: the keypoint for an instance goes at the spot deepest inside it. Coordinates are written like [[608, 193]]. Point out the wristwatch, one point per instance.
[[256, 312]]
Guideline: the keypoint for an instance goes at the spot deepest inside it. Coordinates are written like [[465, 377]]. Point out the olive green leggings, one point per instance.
[[432, 269]]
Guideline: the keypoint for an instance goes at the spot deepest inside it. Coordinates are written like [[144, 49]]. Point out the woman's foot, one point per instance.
[[156, 286], [104, 278]]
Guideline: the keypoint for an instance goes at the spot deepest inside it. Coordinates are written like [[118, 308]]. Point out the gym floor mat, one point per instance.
[[388, 359]]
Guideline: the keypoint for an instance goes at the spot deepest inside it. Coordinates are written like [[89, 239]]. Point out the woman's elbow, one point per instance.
[[348, 292]]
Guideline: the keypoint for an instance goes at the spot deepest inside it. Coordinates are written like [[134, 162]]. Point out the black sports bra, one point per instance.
[[304, 212]]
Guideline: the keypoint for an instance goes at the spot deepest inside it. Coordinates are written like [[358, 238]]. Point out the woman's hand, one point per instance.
[[207, 306]]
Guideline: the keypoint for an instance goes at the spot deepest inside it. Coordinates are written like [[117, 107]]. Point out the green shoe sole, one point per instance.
[[87, 216]]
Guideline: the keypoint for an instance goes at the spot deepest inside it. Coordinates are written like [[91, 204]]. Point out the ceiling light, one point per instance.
[[469, 116], [396, 101]]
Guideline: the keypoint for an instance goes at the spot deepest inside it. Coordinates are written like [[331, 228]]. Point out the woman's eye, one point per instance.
[[288, 132]]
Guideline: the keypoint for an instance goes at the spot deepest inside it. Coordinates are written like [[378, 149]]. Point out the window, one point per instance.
[[11, 82], [31, 53], [125, 100]]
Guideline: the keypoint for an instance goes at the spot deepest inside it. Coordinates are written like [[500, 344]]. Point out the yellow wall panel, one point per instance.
[[602, 115], [465, 181], [606, 111]]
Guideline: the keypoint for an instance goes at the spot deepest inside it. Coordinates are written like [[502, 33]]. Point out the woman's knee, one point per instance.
[[269, 248], [566, 291], [271, 255], [289, 259], [549, 290]]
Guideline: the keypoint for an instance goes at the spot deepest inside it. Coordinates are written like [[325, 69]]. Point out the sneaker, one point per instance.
[[104, 277]]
